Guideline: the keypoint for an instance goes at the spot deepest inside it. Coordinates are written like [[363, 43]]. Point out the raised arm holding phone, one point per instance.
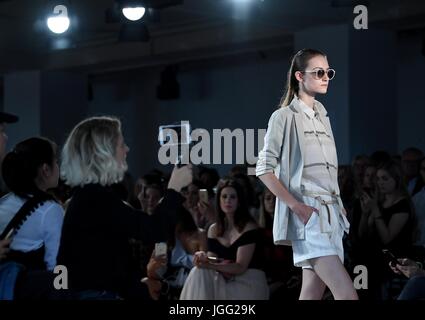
[[98, 225]]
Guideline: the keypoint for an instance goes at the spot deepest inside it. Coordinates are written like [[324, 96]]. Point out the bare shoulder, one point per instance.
[[250, 226], [212, 231]]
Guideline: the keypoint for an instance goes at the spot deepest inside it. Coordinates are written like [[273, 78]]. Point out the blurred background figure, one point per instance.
[[410, 159]]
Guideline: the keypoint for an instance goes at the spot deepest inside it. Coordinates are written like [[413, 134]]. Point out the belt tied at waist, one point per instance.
[[325, 226]]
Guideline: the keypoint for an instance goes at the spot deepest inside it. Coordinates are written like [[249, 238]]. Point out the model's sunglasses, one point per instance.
[[320, 73]]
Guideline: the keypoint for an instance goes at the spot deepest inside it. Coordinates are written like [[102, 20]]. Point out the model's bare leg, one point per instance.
[[332, 272], [312, 286]]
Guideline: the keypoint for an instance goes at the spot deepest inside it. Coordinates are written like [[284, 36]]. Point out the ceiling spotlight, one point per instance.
[[59, 23], [133, 13]]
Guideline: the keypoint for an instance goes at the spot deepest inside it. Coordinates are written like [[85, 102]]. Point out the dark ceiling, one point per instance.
[[193, 30]]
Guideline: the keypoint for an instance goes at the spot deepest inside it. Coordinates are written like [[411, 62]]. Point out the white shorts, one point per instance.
[[317, 243]]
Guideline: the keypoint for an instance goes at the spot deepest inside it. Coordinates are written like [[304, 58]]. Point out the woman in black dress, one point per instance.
[[232, 267]]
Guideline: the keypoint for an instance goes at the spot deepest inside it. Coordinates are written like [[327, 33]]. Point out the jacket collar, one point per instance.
[[296, 103], [296, 108]]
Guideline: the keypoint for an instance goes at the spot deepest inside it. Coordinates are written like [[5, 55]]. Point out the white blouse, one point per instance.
[[320, 161], [43, 226]]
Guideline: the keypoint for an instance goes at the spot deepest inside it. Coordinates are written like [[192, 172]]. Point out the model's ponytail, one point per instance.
[[299, 62]]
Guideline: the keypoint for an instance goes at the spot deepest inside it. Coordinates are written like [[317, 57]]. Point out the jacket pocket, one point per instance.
[[311, 219]]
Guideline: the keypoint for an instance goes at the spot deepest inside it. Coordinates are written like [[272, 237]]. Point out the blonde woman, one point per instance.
[[98, 224], [309, 214]]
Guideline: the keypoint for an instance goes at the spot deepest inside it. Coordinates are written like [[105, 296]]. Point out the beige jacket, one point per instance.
[[283, 154]]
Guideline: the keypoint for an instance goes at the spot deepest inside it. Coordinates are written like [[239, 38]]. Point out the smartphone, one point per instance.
[[390, 257], [160, 249], [203, 195], [175, 134], [215, 259]]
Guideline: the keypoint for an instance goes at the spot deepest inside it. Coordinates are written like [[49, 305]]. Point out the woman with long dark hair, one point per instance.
[[232, 267], [387, 222], [419, 204]]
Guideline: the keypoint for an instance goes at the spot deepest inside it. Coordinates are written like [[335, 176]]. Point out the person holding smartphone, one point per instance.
[[95, 244], [387, 222], [360, 210], [415, 287], [310, 215], [232, 266]]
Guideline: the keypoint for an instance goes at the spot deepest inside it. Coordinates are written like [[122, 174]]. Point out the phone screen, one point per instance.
[[175, 134], [215, 259], [160, 249], [203, 195]]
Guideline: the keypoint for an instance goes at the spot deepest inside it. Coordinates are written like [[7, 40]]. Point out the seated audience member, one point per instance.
[[232, 267], [209, 177], [207, 210], [154, 178], [356, 247], [95, 245], [282, 276], [387, 222], [186, 240], [249, 192], [29, 171], [358, 166], [419, 204], [149, 198], [347, 187], [415, 287], [191, 193], [410, 159]]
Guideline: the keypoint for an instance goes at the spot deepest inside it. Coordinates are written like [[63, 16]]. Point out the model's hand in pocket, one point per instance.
[[303, 211]]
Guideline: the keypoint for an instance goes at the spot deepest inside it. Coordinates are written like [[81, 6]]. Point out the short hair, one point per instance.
[[88, 155]]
